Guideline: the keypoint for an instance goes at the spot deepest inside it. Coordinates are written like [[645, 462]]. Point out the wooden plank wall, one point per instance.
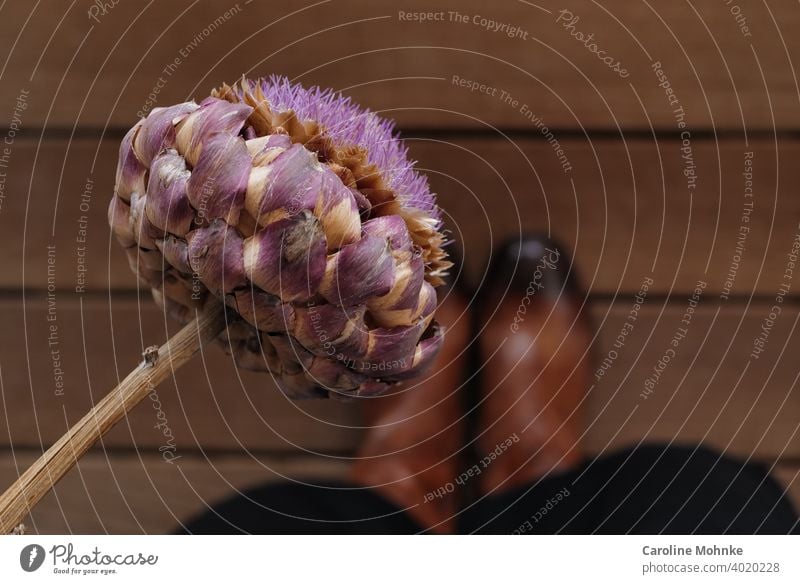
[[659, 160]]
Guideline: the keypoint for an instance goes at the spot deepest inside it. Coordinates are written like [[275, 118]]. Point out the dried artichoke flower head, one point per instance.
[[300, 211]]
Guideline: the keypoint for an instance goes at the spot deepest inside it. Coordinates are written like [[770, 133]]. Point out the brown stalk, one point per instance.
[[158, 363]]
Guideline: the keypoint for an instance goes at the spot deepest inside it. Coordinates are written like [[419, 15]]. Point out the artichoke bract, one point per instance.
[[303, 214]]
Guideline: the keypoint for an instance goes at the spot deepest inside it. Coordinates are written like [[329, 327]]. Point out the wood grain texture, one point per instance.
[[625, 209], [98, 72], [710, 392]]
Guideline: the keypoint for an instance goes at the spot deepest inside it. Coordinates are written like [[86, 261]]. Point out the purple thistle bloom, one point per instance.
[[347, 123], [237, 201]]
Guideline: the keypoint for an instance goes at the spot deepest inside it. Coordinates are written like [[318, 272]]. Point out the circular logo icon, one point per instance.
[[31, 557]]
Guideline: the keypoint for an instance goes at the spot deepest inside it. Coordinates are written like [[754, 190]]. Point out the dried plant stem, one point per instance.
[[37, 481]]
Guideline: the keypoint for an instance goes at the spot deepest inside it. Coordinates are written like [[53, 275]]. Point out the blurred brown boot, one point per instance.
[[412, 450], [534, 345]]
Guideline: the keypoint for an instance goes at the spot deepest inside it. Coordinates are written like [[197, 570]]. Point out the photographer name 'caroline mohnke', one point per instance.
[[699, 550]]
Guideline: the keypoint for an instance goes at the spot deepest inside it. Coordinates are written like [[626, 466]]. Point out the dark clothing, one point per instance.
[[646, 490]]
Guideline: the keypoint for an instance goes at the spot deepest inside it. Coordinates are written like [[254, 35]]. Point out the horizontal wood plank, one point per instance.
[[121, 494], [625, 208], [710, 391], [727, 70], [129, 494], [676, 373]]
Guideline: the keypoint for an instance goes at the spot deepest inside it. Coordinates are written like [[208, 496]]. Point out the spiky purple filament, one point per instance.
[[347, 123]]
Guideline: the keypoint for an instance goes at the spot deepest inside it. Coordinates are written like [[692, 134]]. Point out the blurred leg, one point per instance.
[[413, 447], [287, 508], [534, 346], [648, 490]]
